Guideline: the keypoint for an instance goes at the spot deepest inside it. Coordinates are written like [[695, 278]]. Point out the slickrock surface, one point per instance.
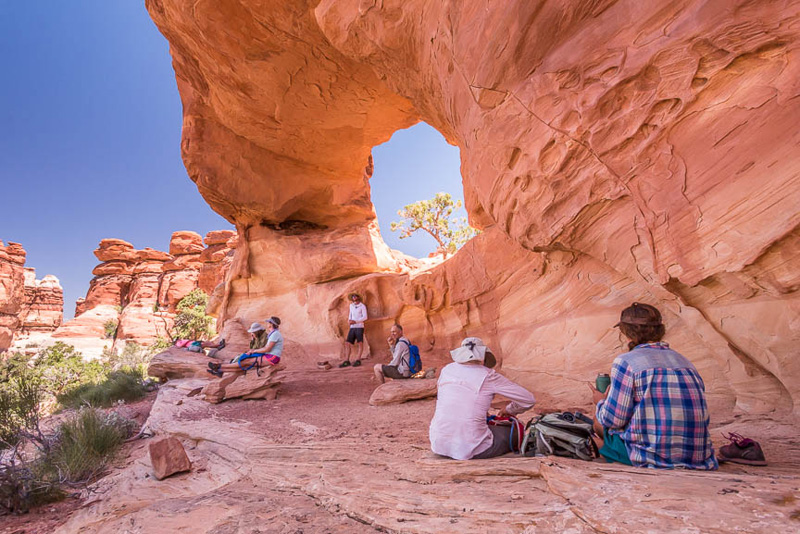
[[319, 459], [611, 151], [139, 289]]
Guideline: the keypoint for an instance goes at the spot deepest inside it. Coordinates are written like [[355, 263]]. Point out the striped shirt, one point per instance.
[[656, 403]]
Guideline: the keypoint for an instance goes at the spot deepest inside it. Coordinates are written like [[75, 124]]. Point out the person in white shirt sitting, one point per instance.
[[466, 389]]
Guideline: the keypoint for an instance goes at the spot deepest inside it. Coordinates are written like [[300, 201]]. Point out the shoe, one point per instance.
[[357, 363], [215, 372], [430, 373], [221, 344], [741, 450], [214, 366], [345, 363], [324, 367]]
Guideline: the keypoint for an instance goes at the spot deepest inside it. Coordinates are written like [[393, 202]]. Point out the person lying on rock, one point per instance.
[[355, 336], [198, 346], [269, 352], [466, 389], [398, 368], [654, 413]]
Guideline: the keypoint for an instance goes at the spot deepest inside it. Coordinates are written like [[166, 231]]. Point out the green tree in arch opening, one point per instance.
[[435, 216]]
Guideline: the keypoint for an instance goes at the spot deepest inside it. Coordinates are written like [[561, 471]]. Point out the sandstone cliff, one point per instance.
[[611, 151], [139, 289], [12, 290], [43, 309], [29, 308]]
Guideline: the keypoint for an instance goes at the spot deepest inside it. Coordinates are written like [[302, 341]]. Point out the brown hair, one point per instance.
[[398, 327], [641, 323]]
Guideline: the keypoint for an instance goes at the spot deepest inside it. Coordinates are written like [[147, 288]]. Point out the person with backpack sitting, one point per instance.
[[654, 413], [459, 426], [399, 368]]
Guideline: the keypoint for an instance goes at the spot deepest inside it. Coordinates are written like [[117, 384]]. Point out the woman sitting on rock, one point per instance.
[[466, 389], [654, 413], [268, 353]]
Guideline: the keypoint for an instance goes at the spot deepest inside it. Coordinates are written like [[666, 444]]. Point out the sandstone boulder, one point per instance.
[[218, 237], [168, 457], [398, 391], [185, 242], [261, 385], [115, 249], [178, 362]]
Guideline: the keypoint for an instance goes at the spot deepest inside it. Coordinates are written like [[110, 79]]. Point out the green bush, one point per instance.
[[126, 384], [20, 401], [87, 442], [191, 322], [110, 328], [61, 368]]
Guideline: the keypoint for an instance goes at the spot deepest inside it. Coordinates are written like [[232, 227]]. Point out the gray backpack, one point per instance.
[[565, 434]]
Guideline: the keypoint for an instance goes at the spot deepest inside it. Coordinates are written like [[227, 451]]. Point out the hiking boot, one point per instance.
[[741, 450], [221, 344], [214, 366], [345, 363], [215, 372], [357, 363]]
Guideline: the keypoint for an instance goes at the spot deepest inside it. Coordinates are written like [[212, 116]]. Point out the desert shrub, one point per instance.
[[20, 400], [191, 322], [126, 384], [62, 368], [86, 443], [134, 356], [110, 328], [23, 482]]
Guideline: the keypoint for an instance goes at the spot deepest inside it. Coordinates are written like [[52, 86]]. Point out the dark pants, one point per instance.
[[500, 443]]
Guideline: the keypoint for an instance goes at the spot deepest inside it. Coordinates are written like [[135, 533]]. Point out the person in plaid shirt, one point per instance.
[[654, 412]]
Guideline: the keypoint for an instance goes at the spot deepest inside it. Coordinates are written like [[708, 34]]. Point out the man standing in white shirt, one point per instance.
[[355, 336]]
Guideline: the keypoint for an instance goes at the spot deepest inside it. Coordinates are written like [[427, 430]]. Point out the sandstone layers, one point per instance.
[[12, 290], [29, 308], [139, 289], [611, 151]]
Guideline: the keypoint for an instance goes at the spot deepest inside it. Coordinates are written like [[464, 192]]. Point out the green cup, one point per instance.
[[602, 382]]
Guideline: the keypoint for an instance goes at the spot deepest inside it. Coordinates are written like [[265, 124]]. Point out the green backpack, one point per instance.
[[565, 434]]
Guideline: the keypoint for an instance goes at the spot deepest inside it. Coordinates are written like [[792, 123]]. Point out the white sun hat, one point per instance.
[[471, 349], [255, 327]]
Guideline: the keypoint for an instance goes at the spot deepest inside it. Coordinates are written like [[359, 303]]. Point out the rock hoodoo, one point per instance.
[[139, 289], [12, 290], [611, 151], [29, 308], [44, 303]]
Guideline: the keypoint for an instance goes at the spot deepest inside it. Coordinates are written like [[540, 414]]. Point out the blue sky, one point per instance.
[[90, 122]]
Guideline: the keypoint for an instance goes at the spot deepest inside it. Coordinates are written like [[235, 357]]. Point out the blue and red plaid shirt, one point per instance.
[[656, 403]]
